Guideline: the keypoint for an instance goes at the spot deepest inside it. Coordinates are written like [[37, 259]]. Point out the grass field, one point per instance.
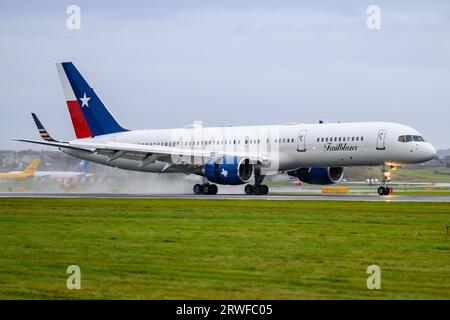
[[433, 174], [228, 249]]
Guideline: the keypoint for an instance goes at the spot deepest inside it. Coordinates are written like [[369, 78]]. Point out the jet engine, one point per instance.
[[228, 170], [323, 176]]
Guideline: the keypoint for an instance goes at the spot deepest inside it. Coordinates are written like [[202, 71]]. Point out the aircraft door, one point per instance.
[[381, 137], [301, 141]]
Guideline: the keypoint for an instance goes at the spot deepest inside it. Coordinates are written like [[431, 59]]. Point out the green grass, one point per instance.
[[227, 249], [428, 174]]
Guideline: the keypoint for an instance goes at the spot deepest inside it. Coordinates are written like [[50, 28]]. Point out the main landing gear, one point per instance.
[[205, 188], [384, 189], [257, 189]]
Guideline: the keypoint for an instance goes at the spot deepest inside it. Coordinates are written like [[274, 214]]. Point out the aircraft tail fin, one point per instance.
[[32, 167], [89, 115], [83, 166]]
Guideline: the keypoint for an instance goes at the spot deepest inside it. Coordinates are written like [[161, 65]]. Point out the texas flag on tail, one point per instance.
[[89, 115]]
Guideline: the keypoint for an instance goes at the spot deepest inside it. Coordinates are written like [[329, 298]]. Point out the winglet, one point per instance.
[[44, 134]]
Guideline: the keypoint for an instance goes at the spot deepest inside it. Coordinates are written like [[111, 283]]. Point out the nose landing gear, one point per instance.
[[384, 189]]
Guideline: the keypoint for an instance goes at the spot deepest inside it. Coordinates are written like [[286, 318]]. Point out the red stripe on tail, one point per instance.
[[79, 122]]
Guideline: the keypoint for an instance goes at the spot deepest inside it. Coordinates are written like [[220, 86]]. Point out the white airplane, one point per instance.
[[80, 170], [314, 153]]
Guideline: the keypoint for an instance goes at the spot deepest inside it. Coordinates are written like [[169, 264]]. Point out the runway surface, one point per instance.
[[343, 197]]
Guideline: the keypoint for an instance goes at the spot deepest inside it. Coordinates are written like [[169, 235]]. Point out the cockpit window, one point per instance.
[[408, 138]]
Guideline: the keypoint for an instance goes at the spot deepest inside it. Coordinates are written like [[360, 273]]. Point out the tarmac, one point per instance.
[[324, 197]]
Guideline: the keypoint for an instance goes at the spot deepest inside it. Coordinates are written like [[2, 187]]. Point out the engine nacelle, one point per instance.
[[228, 170], [323, 176]]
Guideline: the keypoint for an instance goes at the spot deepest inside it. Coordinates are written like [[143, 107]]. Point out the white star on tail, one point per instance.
[[84, 101], [224, 172]]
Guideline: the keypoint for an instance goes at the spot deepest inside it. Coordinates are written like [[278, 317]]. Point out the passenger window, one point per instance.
[[343, 139], [362, 138], [340, 139], [321, 139], [357, 138], [353, 138]]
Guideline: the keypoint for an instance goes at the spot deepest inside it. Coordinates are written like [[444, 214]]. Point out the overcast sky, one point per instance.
[[159, 64]]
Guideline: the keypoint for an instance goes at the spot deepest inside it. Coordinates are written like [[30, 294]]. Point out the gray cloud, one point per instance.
[[166, 64]]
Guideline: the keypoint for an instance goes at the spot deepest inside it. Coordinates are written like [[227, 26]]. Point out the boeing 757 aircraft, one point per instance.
[[314, 153]]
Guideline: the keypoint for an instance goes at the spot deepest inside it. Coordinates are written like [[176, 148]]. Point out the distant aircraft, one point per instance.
[[80, 170], [28, 173], [314, 153]]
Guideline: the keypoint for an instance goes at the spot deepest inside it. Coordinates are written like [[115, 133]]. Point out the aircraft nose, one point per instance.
[[430, 151]]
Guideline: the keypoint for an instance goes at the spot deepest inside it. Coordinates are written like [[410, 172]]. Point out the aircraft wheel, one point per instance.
[[249, 189], [206, 188], [213, 189], [381, 191], [264, 189], [198, 189], [257, 189], [384, 191]]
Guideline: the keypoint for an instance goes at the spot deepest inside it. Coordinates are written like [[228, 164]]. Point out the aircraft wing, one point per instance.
[[147, 154], [60, 144]]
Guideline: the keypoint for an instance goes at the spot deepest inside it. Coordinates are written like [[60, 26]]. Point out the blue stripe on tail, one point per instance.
[[99, 119], [83, 166]]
